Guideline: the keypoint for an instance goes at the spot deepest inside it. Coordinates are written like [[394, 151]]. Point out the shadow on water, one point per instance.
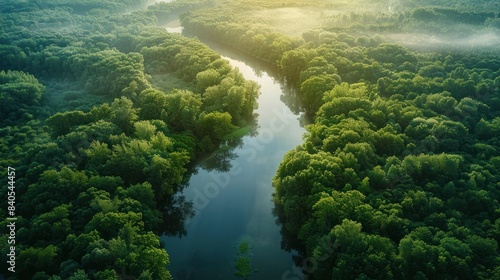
[[175, 211], [221, 159]]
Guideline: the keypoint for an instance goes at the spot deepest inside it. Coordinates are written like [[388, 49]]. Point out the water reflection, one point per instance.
[[175, 210], [220, 160], [231, 190], [291, 98], [289, 95], [231, 193]]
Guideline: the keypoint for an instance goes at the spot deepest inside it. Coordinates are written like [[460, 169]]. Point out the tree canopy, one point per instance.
[[100, 146], [103, 115]]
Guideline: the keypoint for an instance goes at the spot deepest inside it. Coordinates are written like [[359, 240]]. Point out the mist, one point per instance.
[[484, 39]]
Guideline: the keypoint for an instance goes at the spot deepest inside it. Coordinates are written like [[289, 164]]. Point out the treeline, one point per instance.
[[78, 7], [398, 176], [96, 186], [456, 26], [320, 59], [450, 22], [168, 11], [255, 39]]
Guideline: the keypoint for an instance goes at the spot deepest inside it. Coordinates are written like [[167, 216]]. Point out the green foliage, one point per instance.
[[62, 123], [182, 110], [152, 104], [37, 259], [388, 184], [123, 114], [104, 152], [18, 90], [398, 172], [392, 153], [111, 73]]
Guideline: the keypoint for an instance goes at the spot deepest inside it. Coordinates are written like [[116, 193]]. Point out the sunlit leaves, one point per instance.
[[313, 90], [293, 63], [55, 188], [207, 78], [144, 130]]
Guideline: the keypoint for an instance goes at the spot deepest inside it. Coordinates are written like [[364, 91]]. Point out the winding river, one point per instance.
[[235, 205]]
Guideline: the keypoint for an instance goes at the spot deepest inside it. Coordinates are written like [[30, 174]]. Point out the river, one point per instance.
[[237, 205]]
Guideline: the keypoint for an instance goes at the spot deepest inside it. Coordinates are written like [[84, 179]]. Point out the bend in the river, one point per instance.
[[236, 205]]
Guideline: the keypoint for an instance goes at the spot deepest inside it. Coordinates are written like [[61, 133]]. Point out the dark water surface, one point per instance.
[[236, 205]]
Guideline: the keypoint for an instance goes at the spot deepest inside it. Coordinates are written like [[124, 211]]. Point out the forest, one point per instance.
[[104, 115], [398, 174]]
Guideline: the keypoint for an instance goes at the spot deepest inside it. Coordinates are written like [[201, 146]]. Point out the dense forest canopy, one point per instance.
[[398, 175], [103, 114], [99, 146]]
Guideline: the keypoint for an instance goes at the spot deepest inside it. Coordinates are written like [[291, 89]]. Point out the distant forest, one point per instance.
[[103, 114]]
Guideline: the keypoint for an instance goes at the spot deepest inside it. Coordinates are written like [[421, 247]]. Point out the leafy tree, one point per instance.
[[215, 125], [293, 63], [18, 90], [123, 114], [62, 123], [35, 259], [182, 109], [152, 104], [313, 90], [207, 78]]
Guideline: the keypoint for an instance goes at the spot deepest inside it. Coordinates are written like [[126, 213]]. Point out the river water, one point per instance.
[[236, 205]]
